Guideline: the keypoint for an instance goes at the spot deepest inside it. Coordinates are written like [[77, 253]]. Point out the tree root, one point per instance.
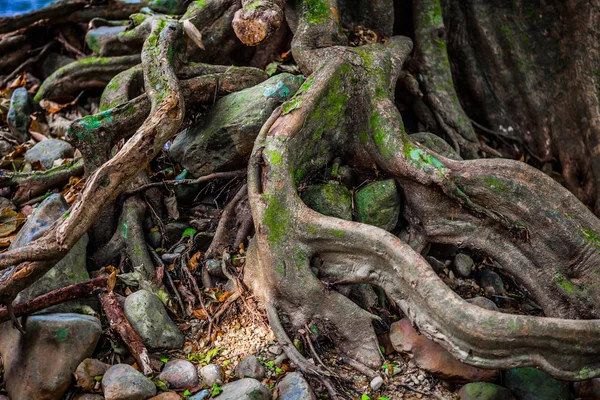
[[492, 196]]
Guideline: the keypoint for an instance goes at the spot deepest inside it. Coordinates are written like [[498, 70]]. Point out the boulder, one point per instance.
[[18, 118], [483, 302], [378, 204], [167, 396], [123, 382], [491, 282], [48, 151], [87, 396], [149, 319], [432, 357], [68, 271], [87, 371], [224, 138], [329, 199], [179, 374], [484, 391], [40, 364], [294, 387], [245, 389], [250, 367], [529, 383]]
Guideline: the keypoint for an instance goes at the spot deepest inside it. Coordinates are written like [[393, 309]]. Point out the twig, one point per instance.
[[26, 63], [166, 273], [215, 175], [57, 296]]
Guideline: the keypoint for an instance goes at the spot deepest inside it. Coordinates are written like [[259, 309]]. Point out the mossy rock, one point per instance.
[[484, 391], [329, 199], [223, 140], [532, 384], [378, 204]]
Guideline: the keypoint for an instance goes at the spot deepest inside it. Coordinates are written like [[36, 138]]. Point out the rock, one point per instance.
[[70, 270], [588, 390], [432, 357], [154, 239], [3, 397], [250, 367], [104, 41], [123, 382], [532, 384], [214, 268], [378, 204], [211, 374], [463, 265], [436, 264], [5, 148], [294, 387], [40, 364], [87, 396], [168, 6], [149, 319], [225, 136], [167, 396], [346, 176], [484, 391], [18, 118], [180, 374], [173, 231], [376, 383], [491, 282], [363, 295], [437, 144], [483, 302], [329, 199], [47, 151], [55, 61], [245, 389], [275, 349], [201, 395], [87, 371]]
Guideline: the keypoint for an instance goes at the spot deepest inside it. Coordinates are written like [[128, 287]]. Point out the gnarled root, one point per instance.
[[503, 210]]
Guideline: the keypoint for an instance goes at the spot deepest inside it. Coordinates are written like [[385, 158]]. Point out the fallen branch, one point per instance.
[[120, 325], [99, 284]]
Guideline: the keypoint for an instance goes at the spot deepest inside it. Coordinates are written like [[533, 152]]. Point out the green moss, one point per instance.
[[337, 232], [591, 236], [291, 105], [276, 219], [566, 284], [275, 157], [253, 5], [494, 184], [316, 11], [329, 199]]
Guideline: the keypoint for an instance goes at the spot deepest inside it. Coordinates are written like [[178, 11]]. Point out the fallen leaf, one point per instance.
[[10, 221], [193, 264]]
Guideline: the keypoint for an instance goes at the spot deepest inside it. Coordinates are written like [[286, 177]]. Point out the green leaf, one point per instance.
[[187, 393], [161, 385], [226, 363], [188, 232], [216, 390], [365, 397], [164, 297], [278, 370], [383, 398], [271, 68], [98, 378], [164, 359], [270, 364]]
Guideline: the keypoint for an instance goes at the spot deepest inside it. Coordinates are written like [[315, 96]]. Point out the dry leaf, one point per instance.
[[199, 313], [171, 205], [193, 264], [10, 221], [221, 297]]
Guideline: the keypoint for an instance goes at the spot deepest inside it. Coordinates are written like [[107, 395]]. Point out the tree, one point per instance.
[[469, 68]]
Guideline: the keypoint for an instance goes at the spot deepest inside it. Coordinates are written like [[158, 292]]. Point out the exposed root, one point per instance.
[[221, 238]]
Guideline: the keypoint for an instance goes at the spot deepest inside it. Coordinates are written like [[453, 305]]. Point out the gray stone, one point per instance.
[[68, 271], [250, 367], [346, 176], [225, 137], [532, 384], [378, 204], [329, 199], [201, 395], [180, 374], [47, 151], [437, 144], [483, 302], [87, 396], [491, 282], [154, 239], [484, 391], [166, 396], [214, 268], [18, 118], [376, 383], [40, 364], [173, 231], [463, 265], [436, 264], [149, 319], [104, 41], [123, 382], [211, 374], [245, 389], [294, 387]]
